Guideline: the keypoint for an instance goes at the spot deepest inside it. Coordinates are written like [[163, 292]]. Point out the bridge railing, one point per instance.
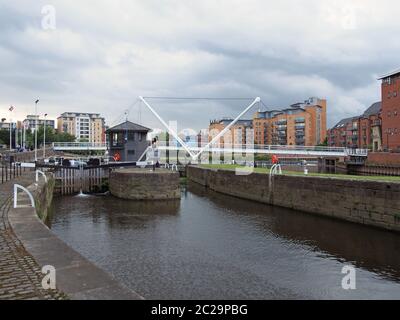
[[255, 147], [79, 145], [357, 152]]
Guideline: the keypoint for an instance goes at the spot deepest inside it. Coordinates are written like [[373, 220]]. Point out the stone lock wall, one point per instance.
[[43, 195], [144, 184], [366, 202]]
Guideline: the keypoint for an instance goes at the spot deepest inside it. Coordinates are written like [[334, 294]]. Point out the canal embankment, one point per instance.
[[368, 202], [76, 277]]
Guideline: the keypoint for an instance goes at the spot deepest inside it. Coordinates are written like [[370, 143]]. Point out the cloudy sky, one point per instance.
[[101, 54]]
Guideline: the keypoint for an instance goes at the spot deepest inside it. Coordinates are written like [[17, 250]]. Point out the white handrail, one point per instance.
[[275, 169], [144, 153], [16, 187], [42, 173]]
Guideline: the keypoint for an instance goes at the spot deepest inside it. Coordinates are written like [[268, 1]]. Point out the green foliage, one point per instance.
[[51, 136], [324, 144], [4, 136], [262, 157]]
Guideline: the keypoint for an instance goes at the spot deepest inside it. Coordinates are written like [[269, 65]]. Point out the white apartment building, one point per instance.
[[86, 127]]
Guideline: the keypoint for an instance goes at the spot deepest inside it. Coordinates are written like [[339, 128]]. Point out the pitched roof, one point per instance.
[[390, 74], [130, 126], [238, 122], [344, 122], [373, 109]]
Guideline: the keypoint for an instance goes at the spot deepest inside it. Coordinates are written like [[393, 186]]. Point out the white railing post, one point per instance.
[[16, 187], [42, 173]]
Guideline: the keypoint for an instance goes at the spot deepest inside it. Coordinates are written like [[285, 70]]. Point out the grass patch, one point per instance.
[[310, 174]]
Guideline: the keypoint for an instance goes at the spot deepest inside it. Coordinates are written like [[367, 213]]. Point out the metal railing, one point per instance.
[[79, 145], [10, 171], [279, 148]]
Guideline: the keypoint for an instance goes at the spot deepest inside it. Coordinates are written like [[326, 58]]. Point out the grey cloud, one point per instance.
[[104, 54]]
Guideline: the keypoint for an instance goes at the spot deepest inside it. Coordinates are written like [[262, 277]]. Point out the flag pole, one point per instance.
[[36, 128], [11, 109]]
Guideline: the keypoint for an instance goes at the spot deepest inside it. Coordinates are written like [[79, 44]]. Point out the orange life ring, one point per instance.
[[275, 159], [117, 156]]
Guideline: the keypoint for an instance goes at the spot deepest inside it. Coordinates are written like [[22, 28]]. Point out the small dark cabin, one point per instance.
[[127, 141]]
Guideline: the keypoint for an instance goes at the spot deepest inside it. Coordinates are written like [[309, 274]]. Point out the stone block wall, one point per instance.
[[43, 195], [144, 184], [366, 202]]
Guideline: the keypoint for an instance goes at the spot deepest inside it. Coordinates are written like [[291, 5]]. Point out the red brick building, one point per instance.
[[362, 132], [391, 111]]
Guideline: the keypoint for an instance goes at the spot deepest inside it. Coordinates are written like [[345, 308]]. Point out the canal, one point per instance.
[[212, 246]]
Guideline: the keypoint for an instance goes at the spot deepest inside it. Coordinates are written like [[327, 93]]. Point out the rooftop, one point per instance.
[[226, 122], [77, 114], [375, 108], [344, 122], [292, 109], [390, 74], [128, 126]]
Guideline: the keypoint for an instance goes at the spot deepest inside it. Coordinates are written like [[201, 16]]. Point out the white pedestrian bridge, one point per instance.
[[79, 146], [317, 151]]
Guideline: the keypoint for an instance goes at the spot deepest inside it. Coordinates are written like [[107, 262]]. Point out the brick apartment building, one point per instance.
[[301, 124], [238, 133], [390, 89], [362, 132]]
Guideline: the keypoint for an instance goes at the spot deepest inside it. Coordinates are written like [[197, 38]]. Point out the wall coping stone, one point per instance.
[[76, 276]]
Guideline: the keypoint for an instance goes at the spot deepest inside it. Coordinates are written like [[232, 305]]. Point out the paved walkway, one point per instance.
[[20, 275]]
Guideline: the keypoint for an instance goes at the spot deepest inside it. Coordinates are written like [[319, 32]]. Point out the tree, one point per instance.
[[324, 144], [4, 136], [51, 136]]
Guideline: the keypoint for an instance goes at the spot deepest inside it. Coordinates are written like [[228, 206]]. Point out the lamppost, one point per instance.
[[11, 110], [44, 137], [10, 134], [36, 128], [24, 135], [387, 139]]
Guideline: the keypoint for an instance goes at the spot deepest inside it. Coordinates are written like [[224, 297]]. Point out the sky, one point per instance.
[[100, 55]]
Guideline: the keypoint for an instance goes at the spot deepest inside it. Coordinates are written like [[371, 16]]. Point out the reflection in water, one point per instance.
[[212, 246]]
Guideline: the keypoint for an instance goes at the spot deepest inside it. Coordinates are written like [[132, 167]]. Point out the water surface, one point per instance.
[[212, 246]]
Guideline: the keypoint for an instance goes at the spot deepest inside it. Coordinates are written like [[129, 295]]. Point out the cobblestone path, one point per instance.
[[20, 275]]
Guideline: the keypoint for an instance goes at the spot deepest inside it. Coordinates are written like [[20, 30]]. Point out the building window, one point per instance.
[[131, 136], [131, 152]]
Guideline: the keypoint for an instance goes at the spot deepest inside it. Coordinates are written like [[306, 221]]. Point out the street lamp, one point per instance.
[[11, 109], [387, 138], [44, 137], [36, 128]]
